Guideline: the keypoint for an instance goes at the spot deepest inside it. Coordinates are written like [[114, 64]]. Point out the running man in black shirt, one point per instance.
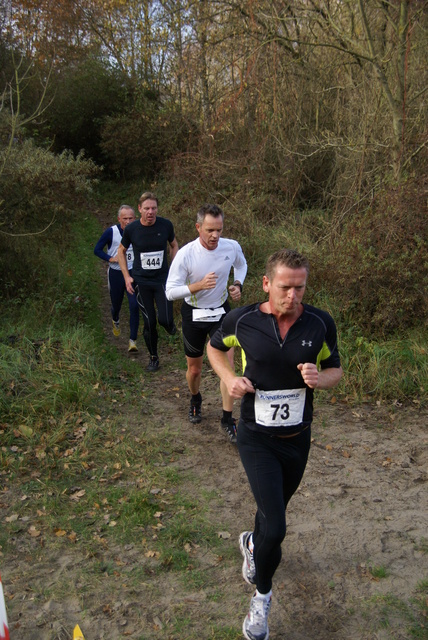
[[289, 349], [150, 237]]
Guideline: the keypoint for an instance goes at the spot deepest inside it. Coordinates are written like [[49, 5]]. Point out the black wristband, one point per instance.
[[238, 284]]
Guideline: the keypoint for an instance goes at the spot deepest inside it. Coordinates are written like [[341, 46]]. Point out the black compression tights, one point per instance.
[[274, 467], [147, 295]]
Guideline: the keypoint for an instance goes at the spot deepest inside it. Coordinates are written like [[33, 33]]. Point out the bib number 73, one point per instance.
[[282, 409], [279, 408]]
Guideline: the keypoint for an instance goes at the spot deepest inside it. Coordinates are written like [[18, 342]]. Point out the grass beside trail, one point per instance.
[[77, 477], [66, 398]]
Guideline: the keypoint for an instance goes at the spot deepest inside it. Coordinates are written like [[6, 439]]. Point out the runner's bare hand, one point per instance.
[[239, 387], [209, 281], [309, 373], [235, 292], [128, 285]]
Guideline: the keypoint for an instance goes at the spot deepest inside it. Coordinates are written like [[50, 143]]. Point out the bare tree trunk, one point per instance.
[[202, 29], [395, 102]]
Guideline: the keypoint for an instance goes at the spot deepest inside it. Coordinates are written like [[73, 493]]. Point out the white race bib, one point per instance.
[[207, 315], [151, 260], [281, 408], [130, 257]]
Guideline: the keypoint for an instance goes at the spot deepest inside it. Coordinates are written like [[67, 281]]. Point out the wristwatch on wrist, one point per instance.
[[238, 284]]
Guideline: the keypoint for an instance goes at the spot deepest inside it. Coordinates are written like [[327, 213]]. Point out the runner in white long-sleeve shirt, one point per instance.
[[200, 274]]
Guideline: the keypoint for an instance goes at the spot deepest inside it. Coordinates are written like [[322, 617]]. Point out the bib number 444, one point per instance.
[[152, 260]]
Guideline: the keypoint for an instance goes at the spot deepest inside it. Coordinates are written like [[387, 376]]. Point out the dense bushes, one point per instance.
[[139, 142], [81, 96], [377, 264], [40, 191], [373, 263]]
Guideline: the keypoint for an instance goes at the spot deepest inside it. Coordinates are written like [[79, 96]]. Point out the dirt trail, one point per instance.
[[362, 506]]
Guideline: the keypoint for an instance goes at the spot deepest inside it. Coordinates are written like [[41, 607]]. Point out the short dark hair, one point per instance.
[[286, 258], [209, 210], [148, 195]]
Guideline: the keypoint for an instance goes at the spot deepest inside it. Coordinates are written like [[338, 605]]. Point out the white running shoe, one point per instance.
[[248, 566], [255, 625], [132, 348]]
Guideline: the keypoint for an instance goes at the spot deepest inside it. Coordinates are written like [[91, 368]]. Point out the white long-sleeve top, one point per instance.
[[193, 262]]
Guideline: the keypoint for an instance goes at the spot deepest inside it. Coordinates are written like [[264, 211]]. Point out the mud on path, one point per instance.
[[362, 506]]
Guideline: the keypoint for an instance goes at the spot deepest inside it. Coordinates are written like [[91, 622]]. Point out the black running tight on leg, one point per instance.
[[146, 302], [147, 296], [274, 467]]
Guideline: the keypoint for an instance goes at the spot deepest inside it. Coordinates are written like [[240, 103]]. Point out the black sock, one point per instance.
[[227, 415], [197, 398]]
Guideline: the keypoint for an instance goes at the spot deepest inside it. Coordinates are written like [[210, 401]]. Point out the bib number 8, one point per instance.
[[284, 410]]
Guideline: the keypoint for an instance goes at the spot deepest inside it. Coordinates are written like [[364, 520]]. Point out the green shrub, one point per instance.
[[83, 94], [140, 141], [40, 192], [377, 265]]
